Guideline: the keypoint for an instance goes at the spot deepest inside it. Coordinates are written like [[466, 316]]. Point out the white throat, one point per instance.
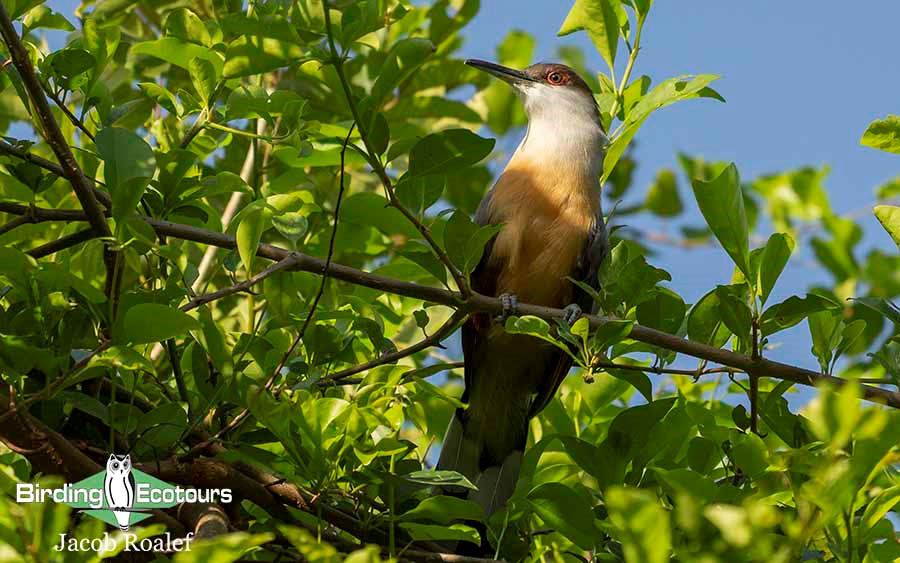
[[562, 129]]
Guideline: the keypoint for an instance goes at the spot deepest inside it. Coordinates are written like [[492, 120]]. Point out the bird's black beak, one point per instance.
[[504, 73]]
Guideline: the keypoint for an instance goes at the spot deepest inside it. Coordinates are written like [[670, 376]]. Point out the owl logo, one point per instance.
[[119, 488]]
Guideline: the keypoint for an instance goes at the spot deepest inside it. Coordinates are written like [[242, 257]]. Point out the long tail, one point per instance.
[[466, 451]]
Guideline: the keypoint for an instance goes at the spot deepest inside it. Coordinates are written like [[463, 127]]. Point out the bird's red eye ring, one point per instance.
[[555, 78]]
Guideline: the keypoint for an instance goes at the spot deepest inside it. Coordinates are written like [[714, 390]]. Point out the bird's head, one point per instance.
[[548, 90]]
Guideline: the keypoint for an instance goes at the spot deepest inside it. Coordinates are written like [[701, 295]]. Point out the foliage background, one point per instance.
[[817, 487]]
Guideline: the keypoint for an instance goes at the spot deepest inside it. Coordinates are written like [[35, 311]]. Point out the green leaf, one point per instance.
[[567, 512], [774, 258], [877, 509], [824, 330], [749, 452], [889, 217], [249, 233], [444, 509], [503, 112], [447, 151], [793, 310], [705, 322], [533, 326], [464, 241], [43, 17], [252, 54], [151, 322], [203, 76], [734, 310], [372, 210], [418, 194], [849, 334], [883, 306], [225, 548], [703, 455], [663, 311], [453, 532], [642, 524], [681, 480], [662, 198], [599, 19], [129, 165], [404, 58], [666, 93], [291, 225], [439, 478], [883, 134], [162, 97], [674, 90], [178, 52], [184, 24], [722, 203]]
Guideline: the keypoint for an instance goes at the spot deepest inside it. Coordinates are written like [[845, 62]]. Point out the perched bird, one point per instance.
[[548, 203], [119, 488]]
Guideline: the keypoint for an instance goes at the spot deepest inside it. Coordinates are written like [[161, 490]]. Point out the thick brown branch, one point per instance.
[[206, 520], [482, 303], [51, 453]]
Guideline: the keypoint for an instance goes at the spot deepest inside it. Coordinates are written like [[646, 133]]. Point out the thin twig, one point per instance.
[[372, 157], [245, 285], [62, 243], [178, 375], [309, 316], [17, 222], [661, 371], [52, 133], [53, 168], [71, 116], [437, 337]]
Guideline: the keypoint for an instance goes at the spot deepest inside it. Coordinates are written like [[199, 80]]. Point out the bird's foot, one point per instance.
[[509, 304], [572, 313]]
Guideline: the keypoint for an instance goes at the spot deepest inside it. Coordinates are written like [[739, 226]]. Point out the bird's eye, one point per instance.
[[115, 466], [555, 78]]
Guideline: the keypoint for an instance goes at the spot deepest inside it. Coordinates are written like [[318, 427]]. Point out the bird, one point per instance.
[[118, 485], [547, 201]]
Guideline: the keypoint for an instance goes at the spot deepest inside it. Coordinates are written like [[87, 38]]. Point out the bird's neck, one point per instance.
[[572, 145]]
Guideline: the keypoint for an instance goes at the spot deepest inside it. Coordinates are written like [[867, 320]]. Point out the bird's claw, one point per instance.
[[572, 313], [509, 304]]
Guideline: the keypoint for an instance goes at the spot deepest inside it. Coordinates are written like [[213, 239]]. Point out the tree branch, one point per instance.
[[51, 131], [63, 243], [279, 266], [71, 116], [460, 278], [484, 304], [445, 330], [51, 453], [312, 308]]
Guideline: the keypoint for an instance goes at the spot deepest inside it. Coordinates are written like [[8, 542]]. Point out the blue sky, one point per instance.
[[802, 80]]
